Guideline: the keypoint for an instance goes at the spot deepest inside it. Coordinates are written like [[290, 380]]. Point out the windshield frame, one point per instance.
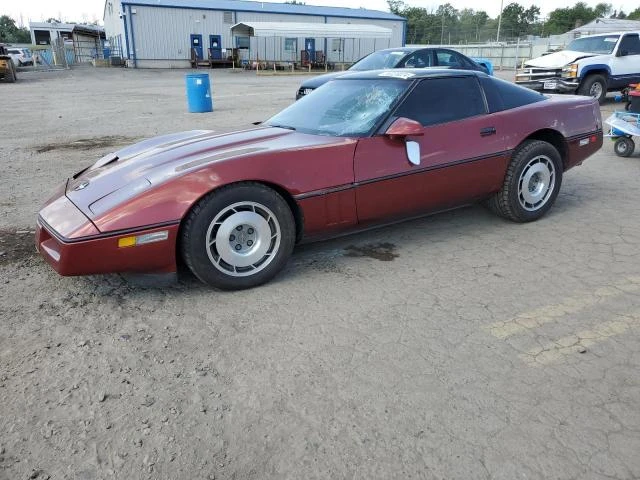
[[374, 130]]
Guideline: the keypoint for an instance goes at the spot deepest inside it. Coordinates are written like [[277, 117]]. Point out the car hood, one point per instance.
[[122, 175], [557, 59], [320, 80]]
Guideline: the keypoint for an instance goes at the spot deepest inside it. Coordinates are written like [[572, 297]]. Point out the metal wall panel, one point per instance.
[[114, 25], [350, 50], [347, 51], [164, 33], [273, 49], [161, 33]]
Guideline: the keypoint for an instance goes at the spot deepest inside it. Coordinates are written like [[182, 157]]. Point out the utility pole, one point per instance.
[[499, 21], [442, 31]]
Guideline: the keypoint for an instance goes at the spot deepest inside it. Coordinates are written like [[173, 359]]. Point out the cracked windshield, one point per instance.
[[342, 108]]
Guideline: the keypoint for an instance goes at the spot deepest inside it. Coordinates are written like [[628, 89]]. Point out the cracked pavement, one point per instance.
[[457, 346]]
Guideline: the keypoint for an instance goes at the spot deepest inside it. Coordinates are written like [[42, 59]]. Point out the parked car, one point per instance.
[[368, 148], [485, 63], [592, 65], [21, 56], [406, 57], [7, 68]]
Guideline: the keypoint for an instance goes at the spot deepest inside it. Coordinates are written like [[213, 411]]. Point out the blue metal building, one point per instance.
[[165, 33]]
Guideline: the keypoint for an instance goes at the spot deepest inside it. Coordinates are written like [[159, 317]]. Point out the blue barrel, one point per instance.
[[199, 93]]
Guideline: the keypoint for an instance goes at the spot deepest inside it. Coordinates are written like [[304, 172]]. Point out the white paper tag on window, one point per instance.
[[198, 81]]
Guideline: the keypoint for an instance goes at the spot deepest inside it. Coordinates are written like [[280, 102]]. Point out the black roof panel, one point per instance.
[[411, 73]]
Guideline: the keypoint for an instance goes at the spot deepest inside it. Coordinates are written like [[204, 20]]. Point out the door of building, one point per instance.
[[215, 44], [196, 44], [310, 47]]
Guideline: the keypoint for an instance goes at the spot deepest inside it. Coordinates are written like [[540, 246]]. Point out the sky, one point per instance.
[[90, 10]]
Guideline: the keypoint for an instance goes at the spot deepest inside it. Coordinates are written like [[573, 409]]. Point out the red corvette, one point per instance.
[[368, 148]]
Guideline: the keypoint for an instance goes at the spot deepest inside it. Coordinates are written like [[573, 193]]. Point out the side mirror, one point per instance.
[[622, 53], [404, 127]]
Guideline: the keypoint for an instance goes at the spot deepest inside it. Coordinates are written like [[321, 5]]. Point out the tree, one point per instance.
[[445, 24], [449, 18], [397, 7], [11, 33], [470, 23], [516, 21], [601, 10], [422, 26], [561, 20], [635, 15]]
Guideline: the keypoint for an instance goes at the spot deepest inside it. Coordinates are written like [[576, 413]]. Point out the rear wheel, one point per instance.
[[239, 236], [11, 74], [624, 147], [531, 184], [594, 86]]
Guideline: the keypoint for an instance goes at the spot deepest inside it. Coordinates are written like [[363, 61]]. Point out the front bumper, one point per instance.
[[552, 84], [95, 253]]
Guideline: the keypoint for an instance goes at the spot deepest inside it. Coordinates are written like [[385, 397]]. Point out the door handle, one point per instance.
[[485, 132]]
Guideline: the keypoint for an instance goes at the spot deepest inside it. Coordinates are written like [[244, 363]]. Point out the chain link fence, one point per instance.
[[64, 54]]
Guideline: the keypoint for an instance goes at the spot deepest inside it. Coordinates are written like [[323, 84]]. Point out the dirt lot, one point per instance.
[[458, 346]]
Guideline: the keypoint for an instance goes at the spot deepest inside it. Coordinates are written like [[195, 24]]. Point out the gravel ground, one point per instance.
[[458, 346]]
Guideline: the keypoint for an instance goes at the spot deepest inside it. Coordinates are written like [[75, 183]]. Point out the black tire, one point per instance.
[[11, 76], [234, 209], [624, 147], [594, 86], [510, 202]]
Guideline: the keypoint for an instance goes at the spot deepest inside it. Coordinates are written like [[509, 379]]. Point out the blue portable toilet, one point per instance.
[[199, 93]]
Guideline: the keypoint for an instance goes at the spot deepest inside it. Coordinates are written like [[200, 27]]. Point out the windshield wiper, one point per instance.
[[288, 127]]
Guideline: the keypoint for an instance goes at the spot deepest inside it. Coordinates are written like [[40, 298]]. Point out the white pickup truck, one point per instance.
[[591, 66]]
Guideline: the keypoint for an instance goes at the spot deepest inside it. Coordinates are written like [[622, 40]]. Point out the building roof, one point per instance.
[[67, 27], [322, 30], [606, 25], [52, 26], [268, 7]]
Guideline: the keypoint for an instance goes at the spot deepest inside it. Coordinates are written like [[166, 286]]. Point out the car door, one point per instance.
[[462, 154], [625, 65]]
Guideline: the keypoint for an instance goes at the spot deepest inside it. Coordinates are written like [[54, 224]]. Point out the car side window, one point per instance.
[[630, 44], [448, 58], [503, 95], [419, 59], [494, 99], [440, 100]]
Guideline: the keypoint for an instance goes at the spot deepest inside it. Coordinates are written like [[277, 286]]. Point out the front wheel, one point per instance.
[[624, 147], [531, 184], [11, 76], [239, 236], [594, 86]]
